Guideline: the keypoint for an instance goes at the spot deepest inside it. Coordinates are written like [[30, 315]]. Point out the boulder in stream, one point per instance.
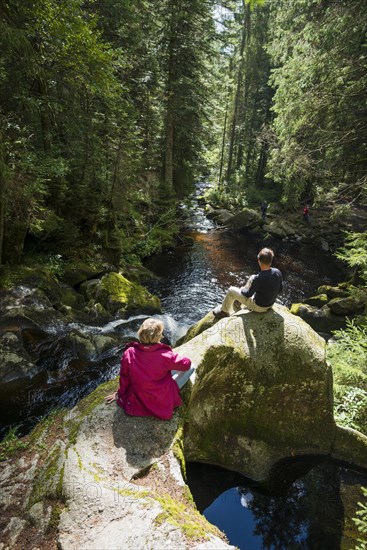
[[117, 294], [263, 394], [244, 220]]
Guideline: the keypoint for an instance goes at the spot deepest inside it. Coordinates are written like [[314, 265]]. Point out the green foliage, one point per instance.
[[85, 90], [11, 444], [354, 252], [223, 198], [350, 408], [361, 522], [319, 76], [348, 358], [54, 263]]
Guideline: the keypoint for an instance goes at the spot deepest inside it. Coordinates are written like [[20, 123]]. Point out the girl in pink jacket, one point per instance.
[[146, 384]]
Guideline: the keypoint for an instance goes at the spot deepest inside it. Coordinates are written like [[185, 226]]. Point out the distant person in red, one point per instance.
[[306, 213], [146, 384]]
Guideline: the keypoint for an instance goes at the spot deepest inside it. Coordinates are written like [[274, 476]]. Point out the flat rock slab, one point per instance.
[[104, 507]]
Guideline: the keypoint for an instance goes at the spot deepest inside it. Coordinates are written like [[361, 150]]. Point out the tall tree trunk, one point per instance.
[[169, 130], [246, 127], [3, 171], [236, 101], [45, 117], [223, 142]]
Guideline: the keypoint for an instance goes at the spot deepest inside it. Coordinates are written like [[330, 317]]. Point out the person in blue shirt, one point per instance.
[[260, 292]]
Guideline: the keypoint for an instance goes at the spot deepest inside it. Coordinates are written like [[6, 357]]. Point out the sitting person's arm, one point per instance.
[[124, 378], [249, 290], [178, 362], [124, 383]]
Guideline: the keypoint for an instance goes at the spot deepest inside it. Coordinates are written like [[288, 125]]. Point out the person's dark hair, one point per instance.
[[151, 331], [265, 256]]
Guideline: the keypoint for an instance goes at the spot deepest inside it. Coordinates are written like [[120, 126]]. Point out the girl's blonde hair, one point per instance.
[[150, 331]]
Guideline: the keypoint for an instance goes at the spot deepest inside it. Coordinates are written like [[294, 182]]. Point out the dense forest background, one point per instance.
[[110, 111]]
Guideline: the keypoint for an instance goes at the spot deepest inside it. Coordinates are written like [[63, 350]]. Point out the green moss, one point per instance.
[[44, 485], [138, 493], [295, 309], [116, 292], [177, 449], [207, 322], [14, 274], [318, 301], [56, 512], [40, 432], [187, 519], [86, 406], [11, 444]]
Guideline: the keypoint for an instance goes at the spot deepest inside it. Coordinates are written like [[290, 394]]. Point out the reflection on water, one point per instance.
[[315, 513]]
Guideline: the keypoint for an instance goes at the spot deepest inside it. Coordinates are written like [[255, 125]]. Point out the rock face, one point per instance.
[[90, 485], [37, 335], [244, 220], [263, 393], [329, 310]]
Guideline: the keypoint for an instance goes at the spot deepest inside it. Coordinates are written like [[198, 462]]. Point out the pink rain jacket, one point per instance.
[[146, 384]]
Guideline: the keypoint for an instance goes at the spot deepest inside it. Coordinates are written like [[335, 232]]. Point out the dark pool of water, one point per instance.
[[315, 513]]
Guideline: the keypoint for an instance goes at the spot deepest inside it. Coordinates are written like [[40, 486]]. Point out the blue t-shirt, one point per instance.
[[266, 286]]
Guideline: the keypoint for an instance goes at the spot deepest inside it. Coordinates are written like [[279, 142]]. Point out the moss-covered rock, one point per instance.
[[96, 478], [204, 323], [220, 215], [99, 313], [333, 291], [244, 220], [320, 319], [347, 306], [115, 293], [280, 228], [138, 274], [317, 301], [263, 393]]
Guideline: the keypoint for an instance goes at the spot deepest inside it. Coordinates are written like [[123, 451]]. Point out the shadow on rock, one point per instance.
[[145, 439], [259, 334]]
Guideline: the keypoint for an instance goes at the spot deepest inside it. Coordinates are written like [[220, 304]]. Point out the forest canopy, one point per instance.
[[111, 110]]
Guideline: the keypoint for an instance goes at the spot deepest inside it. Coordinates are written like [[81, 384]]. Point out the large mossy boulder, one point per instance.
[[262, 394], [348, 305], [244, 220], [219, 215], [280, 228], [117, 294], [333, 291]]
